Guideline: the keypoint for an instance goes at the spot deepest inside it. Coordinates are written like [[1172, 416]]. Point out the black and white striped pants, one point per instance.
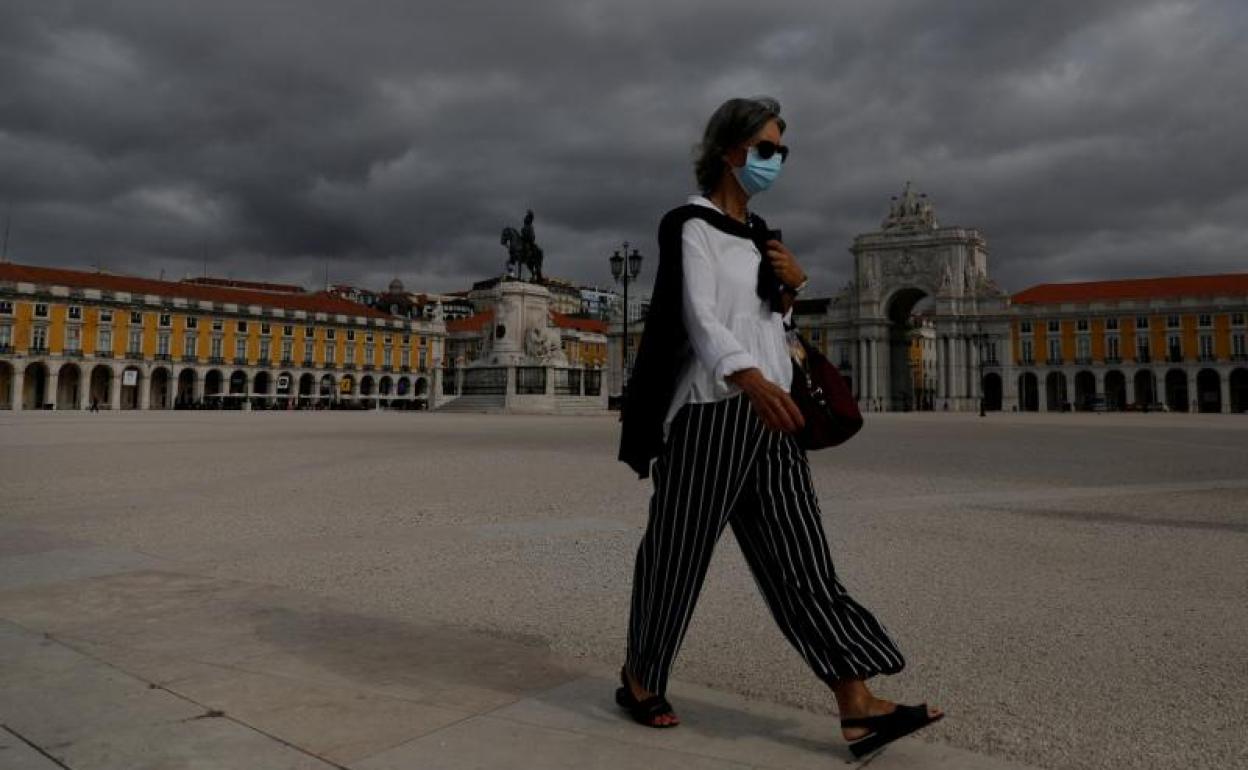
[[721, 465]]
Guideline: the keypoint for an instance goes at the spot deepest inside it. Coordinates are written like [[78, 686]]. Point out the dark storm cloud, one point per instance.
[[275, 140]]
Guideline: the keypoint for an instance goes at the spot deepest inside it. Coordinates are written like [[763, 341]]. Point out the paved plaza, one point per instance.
[[410, 590]]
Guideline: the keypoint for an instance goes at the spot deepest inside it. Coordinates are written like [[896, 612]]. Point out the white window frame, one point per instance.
[[136, 317], [165, 320], [39, 336], [104, 339], [41, 310], [162, 344], [6, 307], [73, 337]]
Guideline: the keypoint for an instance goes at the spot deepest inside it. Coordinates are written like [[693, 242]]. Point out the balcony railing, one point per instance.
[[1027, 361], [240, 360], [190, 358], [1175, 358], [1113, 360], [350, 367], [368, 367], [263, 362], [1083, 360], [288, 362], [103, 354], [1053, 361], [308, 363], [405, 369], [387, 368], [134, 355], [1207, 357], [1239, 356], [1143, 358], [72, 353], [164, 357], [216, 360]]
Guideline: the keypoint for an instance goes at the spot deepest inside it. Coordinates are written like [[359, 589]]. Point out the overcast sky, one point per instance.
[[271, 140]]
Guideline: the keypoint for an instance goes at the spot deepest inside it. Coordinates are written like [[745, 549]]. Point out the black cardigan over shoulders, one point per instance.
[[664, 339]]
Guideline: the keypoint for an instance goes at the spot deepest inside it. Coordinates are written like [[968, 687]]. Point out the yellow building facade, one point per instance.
[[72, 339]]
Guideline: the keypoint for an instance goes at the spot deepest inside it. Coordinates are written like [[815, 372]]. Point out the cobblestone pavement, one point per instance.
[[1070, 588]]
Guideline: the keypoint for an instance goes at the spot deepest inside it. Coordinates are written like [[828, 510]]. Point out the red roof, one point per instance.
[[317, 302], [230, 283], [583, 324], [1135, 288], [471, 323]]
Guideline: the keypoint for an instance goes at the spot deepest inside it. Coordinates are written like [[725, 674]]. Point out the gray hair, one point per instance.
[[734, 122]]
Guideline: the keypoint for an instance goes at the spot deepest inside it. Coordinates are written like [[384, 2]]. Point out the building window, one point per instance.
[[350, 353], [420, 361], [1028, 355], [41, 310], [309, 332], [136, 317], [1206, 347], [990, 351], [1111, 324], [104, 341], [265, 328], [6, 307], [288, 351], [1141, 322], [240, 348], [1055, 326], [288, 331], [1081, 325], [1174, 346], [1111, 347], [136, 342], [331, 334], [39, 337], [386, 339], [368, 337], [1024, 327], [192, 322], [1141, 347], [73, 338], [106, 316], [217, 344], [387, 356], [1239, 345], [407, 339], [240, 327], [6, 336], [189, 343], [350, 335], [405, 358], [165, 320], [1172, 322], [162, 344], [1237, 319], [369, 353], [1083, 348], [1055, 350], [75, 312], [329, 355], [264, 348], [1205, 320], [218, 325]]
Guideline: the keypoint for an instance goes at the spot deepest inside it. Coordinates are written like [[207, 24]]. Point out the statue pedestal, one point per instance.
[[521, 316]]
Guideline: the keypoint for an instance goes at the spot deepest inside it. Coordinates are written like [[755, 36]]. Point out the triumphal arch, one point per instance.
[[921, 324]]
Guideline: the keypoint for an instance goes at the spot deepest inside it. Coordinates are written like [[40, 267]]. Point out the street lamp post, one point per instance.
[[625, 268]]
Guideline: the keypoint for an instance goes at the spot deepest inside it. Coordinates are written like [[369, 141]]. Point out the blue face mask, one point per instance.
[[758, 174]]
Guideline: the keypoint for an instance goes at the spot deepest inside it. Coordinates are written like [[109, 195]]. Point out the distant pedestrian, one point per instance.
[[95, 404], [708, 400]]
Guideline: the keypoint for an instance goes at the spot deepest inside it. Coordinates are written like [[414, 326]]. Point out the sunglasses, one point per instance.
[[767, 148]]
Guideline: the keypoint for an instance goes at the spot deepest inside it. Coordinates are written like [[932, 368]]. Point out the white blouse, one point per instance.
[[730, 327]]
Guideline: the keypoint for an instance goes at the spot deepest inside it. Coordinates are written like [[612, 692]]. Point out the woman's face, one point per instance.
[[769, 133]]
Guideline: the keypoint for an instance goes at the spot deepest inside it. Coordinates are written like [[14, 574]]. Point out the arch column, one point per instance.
[[19, 388], [942, 369], [1224, 383], [49, 393], [145, 390], [84, 389], [1130, 389], [114, 393], [1193, 396]]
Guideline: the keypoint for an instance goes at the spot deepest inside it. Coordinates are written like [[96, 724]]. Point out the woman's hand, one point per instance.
[[785, 264], [773, 403]]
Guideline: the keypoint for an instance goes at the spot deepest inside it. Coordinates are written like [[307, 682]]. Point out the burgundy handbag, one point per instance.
[[831, 415]]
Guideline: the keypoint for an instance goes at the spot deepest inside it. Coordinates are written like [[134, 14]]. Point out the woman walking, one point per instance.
[[708, 401]]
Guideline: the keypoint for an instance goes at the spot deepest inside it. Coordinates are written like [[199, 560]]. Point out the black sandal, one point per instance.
[[886, 728], [643, 712]]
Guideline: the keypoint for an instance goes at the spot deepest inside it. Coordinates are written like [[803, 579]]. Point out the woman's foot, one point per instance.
[[872, 706], [645, 706]]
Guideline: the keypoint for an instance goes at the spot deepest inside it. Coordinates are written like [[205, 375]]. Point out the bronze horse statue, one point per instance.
[[522, 249]]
